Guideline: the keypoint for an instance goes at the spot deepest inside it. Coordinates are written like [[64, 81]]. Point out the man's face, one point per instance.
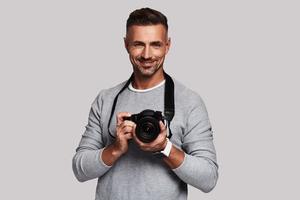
[[147, 47]]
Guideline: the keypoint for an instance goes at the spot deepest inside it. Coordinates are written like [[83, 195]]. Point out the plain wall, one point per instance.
[[242, 57]]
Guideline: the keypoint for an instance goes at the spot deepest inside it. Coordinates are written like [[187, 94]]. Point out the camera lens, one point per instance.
[[147, 129]]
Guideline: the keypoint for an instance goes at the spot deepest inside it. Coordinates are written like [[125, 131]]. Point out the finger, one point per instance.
[[128, 136], [127, 129], [124, 131], [120, 117], [163, 129], [162, 126], [124, 128], [124, 124], [128, 123]]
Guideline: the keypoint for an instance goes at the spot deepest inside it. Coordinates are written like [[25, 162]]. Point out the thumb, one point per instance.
[[162, 126]]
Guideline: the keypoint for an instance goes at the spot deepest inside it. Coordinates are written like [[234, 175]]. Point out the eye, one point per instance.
[[137, 44], [157, 44]]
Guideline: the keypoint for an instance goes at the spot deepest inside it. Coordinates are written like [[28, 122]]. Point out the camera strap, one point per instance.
[[169, 105], [169, 109]]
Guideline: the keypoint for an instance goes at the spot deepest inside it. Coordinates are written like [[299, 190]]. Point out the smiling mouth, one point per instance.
[[146, 62]]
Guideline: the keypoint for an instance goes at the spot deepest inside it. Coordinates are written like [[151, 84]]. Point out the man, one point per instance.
[[126, 167]]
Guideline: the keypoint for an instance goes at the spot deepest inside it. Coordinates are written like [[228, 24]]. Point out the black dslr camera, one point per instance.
[[147, 124]]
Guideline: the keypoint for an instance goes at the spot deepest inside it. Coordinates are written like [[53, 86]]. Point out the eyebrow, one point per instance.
[[137, 42], [151, 43], [156, 43]]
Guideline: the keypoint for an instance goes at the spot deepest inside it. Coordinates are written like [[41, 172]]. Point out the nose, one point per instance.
[[146, 54]]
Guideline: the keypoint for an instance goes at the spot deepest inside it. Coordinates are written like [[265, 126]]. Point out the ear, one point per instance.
[[168, 45], [126, 44]]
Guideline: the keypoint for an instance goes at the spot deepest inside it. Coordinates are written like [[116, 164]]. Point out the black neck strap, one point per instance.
[[169, 106]]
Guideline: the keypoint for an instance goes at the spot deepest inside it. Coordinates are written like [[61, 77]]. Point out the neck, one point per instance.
[[144, 82]]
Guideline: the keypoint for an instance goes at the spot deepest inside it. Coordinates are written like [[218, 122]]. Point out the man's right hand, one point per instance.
[[124, 133]]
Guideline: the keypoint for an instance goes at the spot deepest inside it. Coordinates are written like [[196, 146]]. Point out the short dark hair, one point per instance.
[[146, 16]]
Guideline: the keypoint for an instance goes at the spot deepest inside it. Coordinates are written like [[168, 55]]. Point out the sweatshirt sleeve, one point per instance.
[[199, 167], [87, 163]]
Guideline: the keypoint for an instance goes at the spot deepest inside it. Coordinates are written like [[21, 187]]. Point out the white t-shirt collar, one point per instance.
[[145, 90]]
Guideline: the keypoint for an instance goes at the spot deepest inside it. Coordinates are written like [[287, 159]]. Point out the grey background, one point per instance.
[[242, 57]]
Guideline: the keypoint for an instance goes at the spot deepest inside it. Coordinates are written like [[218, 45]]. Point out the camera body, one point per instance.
[[147, 124]]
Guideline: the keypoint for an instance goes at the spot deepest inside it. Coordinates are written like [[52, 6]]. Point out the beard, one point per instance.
[[147, 67]]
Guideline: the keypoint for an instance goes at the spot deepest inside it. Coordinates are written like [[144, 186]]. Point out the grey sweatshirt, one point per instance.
[[139, 175]]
